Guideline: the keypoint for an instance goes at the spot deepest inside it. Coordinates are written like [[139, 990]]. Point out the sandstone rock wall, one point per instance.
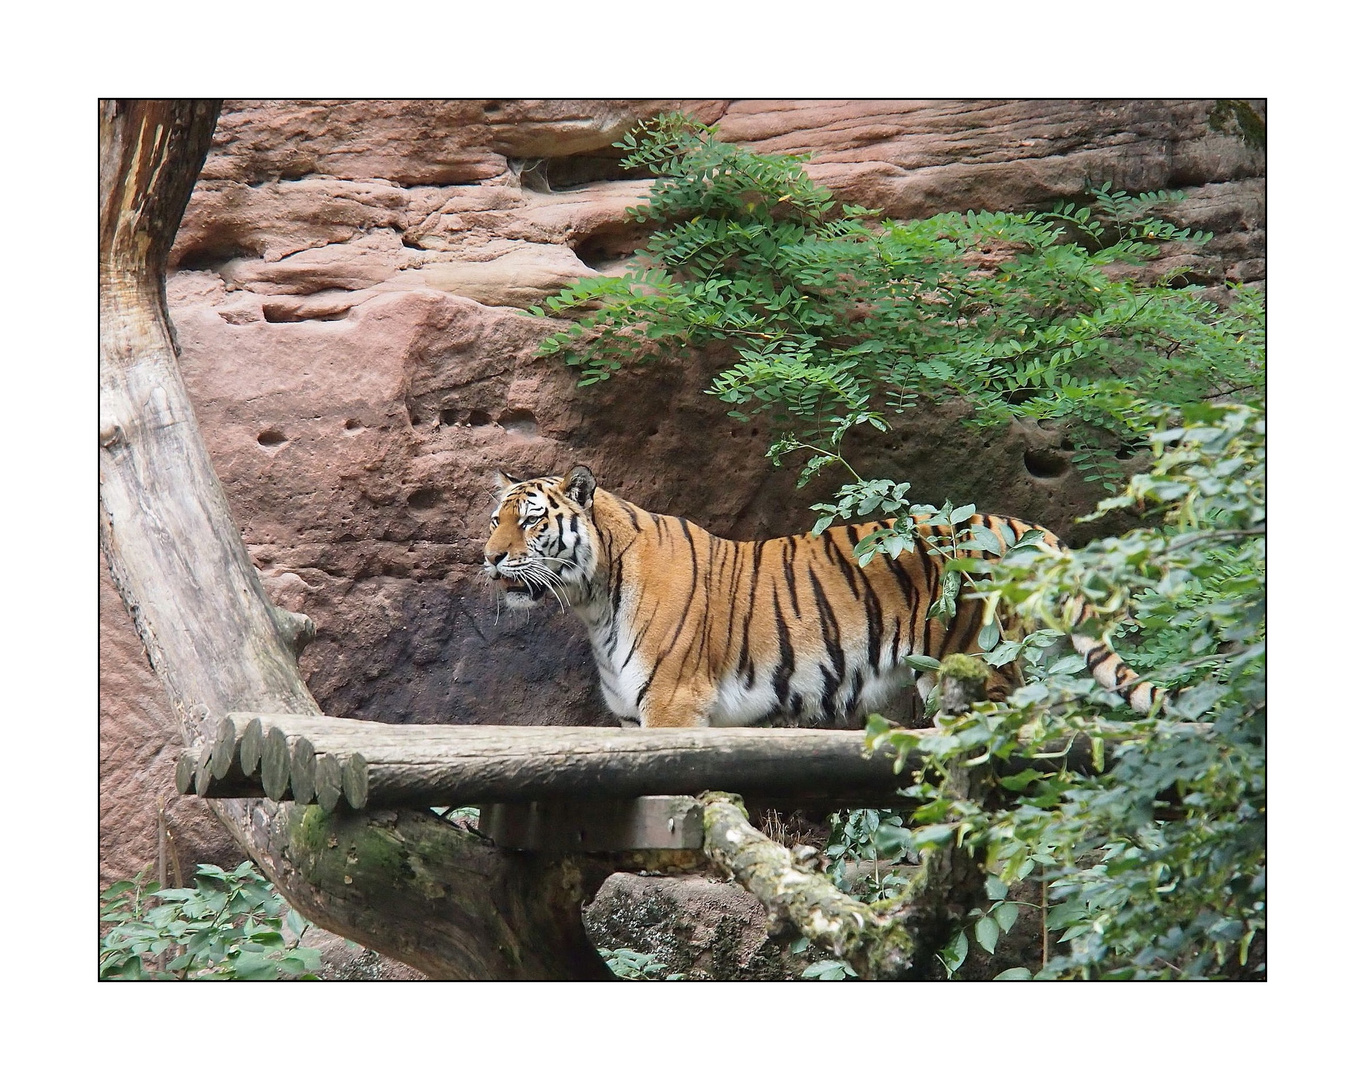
[[347, 293]]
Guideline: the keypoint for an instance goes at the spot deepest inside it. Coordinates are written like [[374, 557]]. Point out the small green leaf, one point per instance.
[[827, 970], [1020, 780], [955, 952], [987, 539], [1015, 974], [987, 933]]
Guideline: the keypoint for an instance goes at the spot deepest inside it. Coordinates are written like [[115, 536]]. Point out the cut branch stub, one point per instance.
[[962, 681]]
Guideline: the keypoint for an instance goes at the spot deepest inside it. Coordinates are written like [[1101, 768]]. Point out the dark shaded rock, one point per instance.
[[693, 925]]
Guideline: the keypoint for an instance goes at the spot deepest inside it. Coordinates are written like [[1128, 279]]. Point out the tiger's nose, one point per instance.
[[495, 559]]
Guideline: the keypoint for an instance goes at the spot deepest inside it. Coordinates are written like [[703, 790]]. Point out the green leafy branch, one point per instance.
[[1154, 863], [230, 925]]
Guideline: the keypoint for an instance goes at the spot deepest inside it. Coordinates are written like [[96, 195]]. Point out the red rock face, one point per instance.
[[347, 292]]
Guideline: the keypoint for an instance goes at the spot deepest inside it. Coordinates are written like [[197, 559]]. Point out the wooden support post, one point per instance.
[[950, 879], [651, 823]]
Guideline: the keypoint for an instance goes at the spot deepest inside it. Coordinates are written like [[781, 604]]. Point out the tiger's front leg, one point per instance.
[[678, 708]]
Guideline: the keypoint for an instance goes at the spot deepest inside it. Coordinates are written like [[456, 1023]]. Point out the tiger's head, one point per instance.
[[542, 538]]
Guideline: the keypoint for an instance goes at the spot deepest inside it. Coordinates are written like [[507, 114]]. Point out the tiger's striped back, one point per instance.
[[689, 629]]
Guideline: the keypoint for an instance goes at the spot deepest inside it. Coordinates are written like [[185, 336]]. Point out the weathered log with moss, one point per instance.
[[874, 945], [950, 879]]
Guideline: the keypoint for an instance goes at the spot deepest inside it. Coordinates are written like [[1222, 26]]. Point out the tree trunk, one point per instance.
[[403, 882]]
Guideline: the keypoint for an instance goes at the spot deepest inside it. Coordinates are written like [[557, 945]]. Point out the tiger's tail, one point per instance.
[[1111, 671]]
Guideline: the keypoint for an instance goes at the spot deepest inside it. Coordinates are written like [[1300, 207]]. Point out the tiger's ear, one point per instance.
[[579, 485], [505, 482]]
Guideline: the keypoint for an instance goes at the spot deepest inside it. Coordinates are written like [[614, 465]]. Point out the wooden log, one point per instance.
[[275, 764], [355, 779], [302, 769], [249, 749], [203, 774], [445, 765], [226, 747], [416, 765], [329, 778], [184, 769]]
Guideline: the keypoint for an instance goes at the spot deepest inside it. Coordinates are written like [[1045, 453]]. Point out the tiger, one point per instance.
[[692, 630]]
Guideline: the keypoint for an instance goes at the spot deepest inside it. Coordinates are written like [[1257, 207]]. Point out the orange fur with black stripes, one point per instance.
[[689, 629]]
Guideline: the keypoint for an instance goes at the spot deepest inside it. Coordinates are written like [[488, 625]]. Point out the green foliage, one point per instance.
[[1155, 867], [832, 970], [629, 964], [837, 321], [861, 836], [1238, 117], [229, 926]]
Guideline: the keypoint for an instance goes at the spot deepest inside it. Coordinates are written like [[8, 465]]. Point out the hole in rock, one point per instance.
[[424, 498], [353, 425], [293, 313], [211, 254], [604, 247], [296, 169], [1045, 464], [450, 417], [518, 421], [479, 418], [589, 168], [271, 437]]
